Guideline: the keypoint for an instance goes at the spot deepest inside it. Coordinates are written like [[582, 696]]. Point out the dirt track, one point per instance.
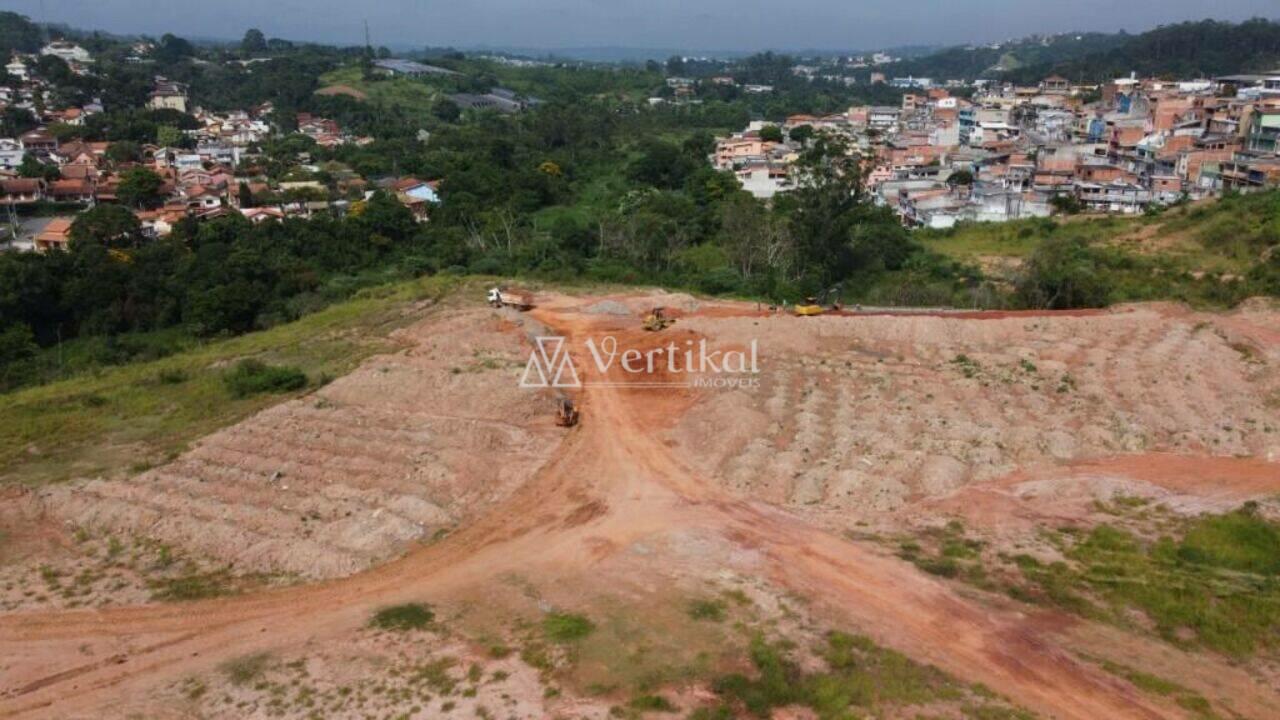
[[621, 479]]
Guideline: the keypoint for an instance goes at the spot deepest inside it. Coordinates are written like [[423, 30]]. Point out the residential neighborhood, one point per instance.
[[212, 165], [1009, 152]]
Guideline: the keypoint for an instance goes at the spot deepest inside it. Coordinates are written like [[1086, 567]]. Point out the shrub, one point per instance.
[[244, 670], [566, 627], [652, 703], [197, 586], [707, 610], [254, 377], [410, 616], [172, 377]]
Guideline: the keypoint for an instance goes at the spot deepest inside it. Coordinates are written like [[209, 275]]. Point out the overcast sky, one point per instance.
[[685, 24]]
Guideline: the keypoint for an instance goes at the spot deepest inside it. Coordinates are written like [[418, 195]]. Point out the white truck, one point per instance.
[[511, 297]]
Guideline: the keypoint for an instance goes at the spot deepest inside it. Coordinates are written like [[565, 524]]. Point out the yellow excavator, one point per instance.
[[814, 305], [657, 320], [809, 308]]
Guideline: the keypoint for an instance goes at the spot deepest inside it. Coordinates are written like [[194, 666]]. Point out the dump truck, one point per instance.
[[809, 308], [657, 320], [566, 413], [511, 297]]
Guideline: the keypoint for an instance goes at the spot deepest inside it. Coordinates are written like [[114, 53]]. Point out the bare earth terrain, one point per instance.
[[428, 475]]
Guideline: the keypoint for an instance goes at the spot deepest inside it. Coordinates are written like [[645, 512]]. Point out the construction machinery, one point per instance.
[[566, 413], [511, 297], [809, 308], [832, 297], [657, 320]]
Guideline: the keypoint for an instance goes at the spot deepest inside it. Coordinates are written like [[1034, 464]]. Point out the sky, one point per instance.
[[676, 24]]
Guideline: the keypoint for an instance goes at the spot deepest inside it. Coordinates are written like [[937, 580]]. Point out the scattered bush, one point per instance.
[[707, 610], [651, 703], [254, 377], [566, 627], [197, 586], [410, 616], [247, 669]]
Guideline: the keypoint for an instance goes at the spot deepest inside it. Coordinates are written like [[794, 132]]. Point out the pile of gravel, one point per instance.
[[608, 307]]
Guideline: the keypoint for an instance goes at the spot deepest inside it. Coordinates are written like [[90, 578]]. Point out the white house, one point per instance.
[[11, 153], [67, 51], [17, 69]]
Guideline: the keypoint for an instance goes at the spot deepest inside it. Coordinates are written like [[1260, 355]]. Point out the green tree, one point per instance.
[[15, 121], [110, 225], [662, 164], [753, 238], [245, 195], [446, 109], [33, 168], [1066, 204], [140, 187], [801, 133], [771, 133], [169, 136], [1062, 273], [825, 204], [124, 151], [172, 49], [254, 42]]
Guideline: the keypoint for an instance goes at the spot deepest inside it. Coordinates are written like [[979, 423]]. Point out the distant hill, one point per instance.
[[17, 34], [1190, 49], [971, 62]]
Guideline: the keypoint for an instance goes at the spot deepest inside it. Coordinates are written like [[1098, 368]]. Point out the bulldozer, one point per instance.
[[657, 320], [809, 308], [566, 413]]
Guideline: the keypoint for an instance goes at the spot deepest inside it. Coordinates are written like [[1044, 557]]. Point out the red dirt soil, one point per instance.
[[615, 481]]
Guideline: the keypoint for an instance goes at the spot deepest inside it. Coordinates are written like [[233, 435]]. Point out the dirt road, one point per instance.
[[612, 483]]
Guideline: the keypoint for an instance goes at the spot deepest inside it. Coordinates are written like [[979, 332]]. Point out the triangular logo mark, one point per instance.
[[550, 365]]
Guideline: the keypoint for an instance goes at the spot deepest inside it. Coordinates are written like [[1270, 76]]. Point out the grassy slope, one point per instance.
[[407, 93], [1223, 236], [126, 418]]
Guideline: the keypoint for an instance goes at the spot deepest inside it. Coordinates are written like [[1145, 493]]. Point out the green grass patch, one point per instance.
[[1216, 586], [400, 618], [860, 678], [1185, 698], [414, 95], [104, 422], [566, 627]]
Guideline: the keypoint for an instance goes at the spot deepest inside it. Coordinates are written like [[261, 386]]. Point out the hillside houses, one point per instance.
[[168, 95], [1011, 152]]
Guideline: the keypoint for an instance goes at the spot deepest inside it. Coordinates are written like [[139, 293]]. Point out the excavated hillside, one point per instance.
[[429, 475]]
